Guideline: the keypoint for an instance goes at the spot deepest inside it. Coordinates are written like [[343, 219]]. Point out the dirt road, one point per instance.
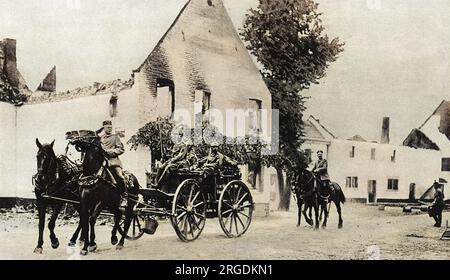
[[368, 233]]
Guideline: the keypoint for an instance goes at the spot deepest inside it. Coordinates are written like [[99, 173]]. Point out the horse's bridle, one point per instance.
[[38, 180]]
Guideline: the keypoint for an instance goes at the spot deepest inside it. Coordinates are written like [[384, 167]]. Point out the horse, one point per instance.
[[325, 196], [98, 192], [305, 192], [308, 191], [52, 179]]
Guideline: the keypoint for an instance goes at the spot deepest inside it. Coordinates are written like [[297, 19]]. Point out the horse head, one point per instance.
[[305, 181], [46, 164], [93, 155]]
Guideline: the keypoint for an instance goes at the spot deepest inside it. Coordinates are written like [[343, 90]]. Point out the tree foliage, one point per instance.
[[287, 38], [159, 137]]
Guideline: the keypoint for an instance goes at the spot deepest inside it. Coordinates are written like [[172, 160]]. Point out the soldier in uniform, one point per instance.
[[113, 148], [438, 204], [214, 160], [320, 169]]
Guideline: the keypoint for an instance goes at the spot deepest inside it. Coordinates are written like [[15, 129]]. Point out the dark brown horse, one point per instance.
[[310, 195], [324, 198], [304, 189], [52, 180], [98, 193]]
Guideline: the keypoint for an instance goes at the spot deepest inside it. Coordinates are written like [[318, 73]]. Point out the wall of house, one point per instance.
[[417, 166], [7, 150], [50, 121]]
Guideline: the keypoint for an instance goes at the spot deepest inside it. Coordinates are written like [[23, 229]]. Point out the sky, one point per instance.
[[395, 62]]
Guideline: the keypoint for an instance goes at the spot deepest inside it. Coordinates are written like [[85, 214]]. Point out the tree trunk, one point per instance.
[[284, 190]]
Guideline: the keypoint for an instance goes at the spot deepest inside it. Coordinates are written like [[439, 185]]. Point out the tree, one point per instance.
[[158, 136], [287, 38]]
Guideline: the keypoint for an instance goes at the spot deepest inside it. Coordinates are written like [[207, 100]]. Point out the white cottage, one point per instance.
[[381, 172]]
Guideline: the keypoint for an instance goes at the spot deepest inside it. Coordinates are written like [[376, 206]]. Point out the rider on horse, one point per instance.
[[320, 169], [113, 148]]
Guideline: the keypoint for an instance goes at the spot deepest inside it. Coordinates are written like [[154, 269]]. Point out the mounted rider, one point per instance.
[[113, 148], [320, 170]]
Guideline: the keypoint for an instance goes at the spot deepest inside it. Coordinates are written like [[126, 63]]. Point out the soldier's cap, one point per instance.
[[320, 151], [107, 122], [214, 144]]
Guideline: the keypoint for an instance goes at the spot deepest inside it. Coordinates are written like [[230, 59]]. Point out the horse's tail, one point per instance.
[[340, 192]]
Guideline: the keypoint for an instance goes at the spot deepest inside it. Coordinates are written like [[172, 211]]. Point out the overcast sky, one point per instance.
[[396, 59]]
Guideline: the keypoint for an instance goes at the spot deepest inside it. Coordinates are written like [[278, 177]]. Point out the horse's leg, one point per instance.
[[73, 240], [114, 239], [84, 220], [325, 209], [316, 213], [299, 203], [41, 207], [338, 209], [92, 220], [305, 214], [118, 217], [128, 218], [321, 212], [51, 225]]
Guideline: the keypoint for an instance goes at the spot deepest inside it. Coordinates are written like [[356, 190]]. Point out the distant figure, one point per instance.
[[320, 169], [438, 204]]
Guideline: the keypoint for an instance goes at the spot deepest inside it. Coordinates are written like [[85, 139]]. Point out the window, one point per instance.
[[202, 104], [445, 164], [113, 105], [393, 184], [165, 97], [393, 156], [352, 152], [372, 154], [351, 182], [255, 107], [354, 182]]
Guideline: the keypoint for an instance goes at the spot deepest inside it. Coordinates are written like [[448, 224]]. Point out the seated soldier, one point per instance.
[[179, 154], [214, 160]]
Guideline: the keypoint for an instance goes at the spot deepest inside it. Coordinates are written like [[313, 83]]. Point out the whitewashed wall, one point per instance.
[[49, 121], [7, 150], [417, 166]]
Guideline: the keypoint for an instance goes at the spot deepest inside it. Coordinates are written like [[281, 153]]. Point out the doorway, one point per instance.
[[372, 191]]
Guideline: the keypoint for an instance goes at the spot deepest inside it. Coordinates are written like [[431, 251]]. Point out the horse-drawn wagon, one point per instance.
[[186, 196]]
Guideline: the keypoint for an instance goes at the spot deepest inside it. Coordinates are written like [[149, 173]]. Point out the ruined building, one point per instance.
[[200, 59]]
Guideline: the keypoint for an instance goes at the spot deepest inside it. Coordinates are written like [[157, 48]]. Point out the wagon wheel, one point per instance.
[[188, 210], [235, 209], [135, 231]]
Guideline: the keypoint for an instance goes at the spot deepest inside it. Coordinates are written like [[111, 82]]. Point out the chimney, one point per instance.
[[9, 67], [385, 131]]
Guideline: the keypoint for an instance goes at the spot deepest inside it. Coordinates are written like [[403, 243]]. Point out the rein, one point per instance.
[[39, 184]]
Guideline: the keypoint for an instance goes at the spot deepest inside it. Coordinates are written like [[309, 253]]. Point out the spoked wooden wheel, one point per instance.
[[235, 209], [135, 231], [188, 210]]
